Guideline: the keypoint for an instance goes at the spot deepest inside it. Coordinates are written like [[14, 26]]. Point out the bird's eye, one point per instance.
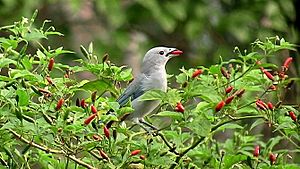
[[161, 52]]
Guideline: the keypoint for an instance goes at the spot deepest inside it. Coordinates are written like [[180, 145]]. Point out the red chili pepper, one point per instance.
[[82, 103], [228, 89], [240, 92], [59, 104], [197, 72], [287, 62], [262, 69], [272, 158], [272, 87], [270, 106], [258, 62], [51, 64], [89, 119], [103, 154], [229, 99], [225, 73], [106, 132], [220, 105], [93, 96], [281, 75], [293, 116], [256, 151], [142, 157], [179, 107], [261, 105], [93, 109], [135, 152], [49, 80], [269, 75], [97, 137]]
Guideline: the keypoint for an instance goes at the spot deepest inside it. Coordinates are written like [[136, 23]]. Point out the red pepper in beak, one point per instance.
[[176, 52]]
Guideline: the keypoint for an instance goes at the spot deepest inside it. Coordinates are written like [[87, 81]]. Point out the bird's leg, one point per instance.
[[146, 126], [137, 121], [142, 120]]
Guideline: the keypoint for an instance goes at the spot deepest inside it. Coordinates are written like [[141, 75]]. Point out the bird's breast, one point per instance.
[[157, 80]]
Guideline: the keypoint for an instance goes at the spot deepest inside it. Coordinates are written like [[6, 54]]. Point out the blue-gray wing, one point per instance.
[[133, 91]]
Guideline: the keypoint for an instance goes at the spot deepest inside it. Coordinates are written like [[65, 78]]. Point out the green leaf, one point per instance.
[[153, 95], [5, 62], [181, 78], [27, 63], [26, 74], [172, 96], [124, 75], [273, 141], [34, 35], [114, 105], [202, 106], [230, 160], [23, 97], [214, 69], [4, 78], [256, 123], [200, 126], [229, 126], [171, 114], [99, 85]]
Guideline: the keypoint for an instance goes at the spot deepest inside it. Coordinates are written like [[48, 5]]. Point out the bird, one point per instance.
[[153, 76]]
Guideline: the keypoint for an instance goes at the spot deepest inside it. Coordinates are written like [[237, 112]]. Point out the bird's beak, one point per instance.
[[175, 52]]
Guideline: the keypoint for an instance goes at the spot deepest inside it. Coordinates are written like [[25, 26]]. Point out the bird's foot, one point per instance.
[[149, 128]]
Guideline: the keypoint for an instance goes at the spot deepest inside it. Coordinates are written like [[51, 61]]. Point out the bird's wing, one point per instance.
[[133, 91]]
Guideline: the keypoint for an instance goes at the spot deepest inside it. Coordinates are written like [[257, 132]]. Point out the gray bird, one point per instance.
[[152, 76]]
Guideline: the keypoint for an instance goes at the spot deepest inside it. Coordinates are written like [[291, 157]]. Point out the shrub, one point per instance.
[[47, 122]]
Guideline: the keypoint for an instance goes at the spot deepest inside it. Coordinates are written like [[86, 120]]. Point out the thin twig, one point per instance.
[[171, 148], [49, 150]]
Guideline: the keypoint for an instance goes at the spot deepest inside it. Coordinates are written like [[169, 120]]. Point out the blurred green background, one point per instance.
[[126, 29]]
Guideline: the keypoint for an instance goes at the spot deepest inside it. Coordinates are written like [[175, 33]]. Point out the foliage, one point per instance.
[[43, 122]]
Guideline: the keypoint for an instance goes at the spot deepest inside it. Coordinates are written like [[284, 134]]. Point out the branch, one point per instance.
[[33, 144], [195, 144], [48, 150], [171, 148]]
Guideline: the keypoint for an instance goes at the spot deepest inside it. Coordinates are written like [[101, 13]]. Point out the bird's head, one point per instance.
[[160, 55]]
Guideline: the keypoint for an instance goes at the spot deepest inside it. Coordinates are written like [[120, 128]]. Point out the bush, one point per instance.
[[51, 119]]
